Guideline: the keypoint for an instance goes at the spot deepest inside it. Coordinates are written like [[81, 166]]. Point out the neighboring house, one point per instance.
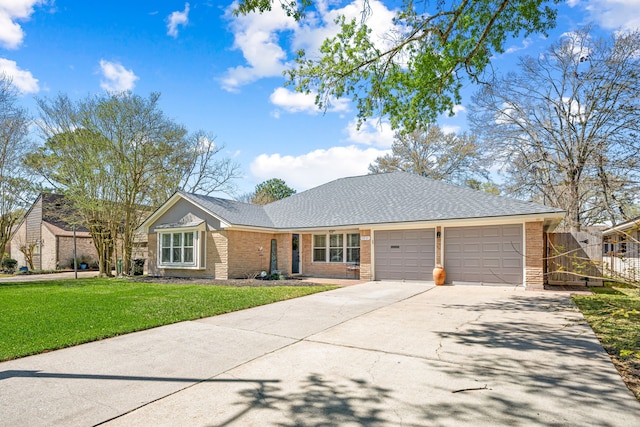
[[393, 226], [621, 250], [47, 230]]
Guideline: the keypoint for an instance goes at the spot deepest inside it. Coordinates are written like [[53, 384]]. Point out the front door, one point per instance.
[[295, 254]]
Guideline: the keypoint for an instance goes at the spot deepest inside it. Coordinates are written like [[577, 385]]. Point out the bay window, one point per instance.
[[178, 249]]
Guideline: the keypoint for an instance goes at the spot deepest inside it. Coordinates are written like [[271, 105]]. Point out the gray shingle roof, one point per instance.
[[231, 211], [372, 199]]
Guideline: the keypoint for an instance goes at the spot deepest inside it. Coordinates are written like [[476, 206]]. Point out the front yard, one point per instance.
[[614, 315], [43, 316]]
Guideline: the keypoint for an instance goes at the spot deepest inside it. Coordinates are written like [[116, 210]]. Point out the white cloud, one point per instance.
[[457, 109], [258, 37], [577, 43], [177, 18], [23, 80], [447, 129], [11, 33], [116, 77], [315, 168], [321, 24], [371, 132], [613, 14], [513, 49], [294, 102]]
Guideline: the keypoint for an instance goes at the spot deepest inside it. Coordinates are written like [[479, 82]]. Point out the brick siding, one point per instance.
[[534, 266], [365, 256], [250, 253]]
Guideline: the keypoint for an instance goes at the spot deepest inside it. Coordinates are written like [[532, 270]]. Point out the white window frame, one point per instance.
[[197, 247], [328, 249]]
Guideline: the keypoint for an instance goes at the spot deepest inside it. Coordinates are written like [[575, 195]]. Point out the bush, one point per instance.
[[9, 265], [138, 266]]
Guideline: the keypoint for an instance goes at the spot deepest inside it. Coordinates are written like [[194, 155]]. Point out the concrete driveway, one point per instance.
[[376, 354]]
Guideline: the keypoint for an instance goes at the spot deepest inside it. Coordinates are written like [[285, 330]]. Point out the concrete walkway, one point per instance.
[[50, 276], [375, 354]]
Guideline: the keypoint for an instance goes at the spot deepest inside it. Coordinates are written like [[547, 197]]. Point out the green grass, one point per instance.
[[41, 316], [614, 315]]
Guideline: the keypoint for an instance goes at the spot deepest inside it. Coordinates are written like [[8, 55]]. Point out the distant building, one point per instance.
[[621, 250], [47, 228]]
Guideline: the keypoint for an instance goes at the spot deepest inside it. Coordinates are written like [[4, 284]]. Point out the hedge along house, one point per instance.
[[393, 226]]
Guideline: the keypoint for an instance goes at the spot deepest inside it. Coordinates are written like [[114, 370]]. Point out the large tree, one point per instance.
[[117, 157], [15, 187], [566, 126], [416, 70], [432, 153], [271, 190]]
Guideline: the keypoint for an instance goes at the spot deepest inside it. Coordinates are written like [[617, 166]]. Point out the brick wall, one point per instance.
[[217, 255], [534, 271], [18, 237], [84, 247], [365, 256], [285, 252], [245, 256], [152, 258]]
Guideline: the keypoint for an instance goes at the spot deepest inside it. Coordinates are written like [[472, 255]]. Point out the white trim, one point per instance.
[[524, 253], [372, 251], [197, 248], [631, 224], [442, 260], [257, 229], [457, 222]]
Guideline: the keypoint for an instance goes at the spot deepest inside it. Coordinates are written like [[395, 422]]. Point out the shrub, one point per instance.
[[9, 265]]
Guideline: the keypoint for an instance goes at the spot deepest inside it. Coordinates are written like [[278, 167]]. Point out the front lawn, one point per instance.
[[40, 316], [614, 315]]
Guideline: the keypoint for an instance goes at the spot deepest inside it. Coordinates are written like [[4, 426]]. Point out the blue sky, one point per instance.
[[223, 74]]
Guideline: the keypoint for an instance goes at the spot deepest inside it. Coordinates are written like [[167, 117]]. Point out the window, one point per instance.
[[353, 247], [338, 247], [336, 250], [178, 249], [319, 248]]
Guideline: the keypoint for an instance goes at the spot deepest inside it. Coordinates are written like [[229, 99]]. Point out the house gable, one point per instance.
[[180, 210]]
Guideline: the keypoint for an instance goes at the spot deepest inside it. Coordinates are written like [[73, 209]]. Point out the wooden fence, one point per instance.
[[575, 258]]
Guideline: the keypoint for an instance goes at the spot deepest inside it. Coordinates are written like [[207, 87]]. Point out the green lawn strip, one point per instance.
[[50, 315], [614, 315]]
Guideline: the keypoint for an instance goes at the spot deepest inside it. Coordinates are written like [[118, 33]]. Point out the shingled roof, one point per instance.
[[395, 197], [231, 211]]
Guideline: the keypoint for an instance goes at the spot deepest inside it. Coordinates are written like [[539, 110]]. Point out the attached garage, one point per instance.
[[487, 254], [392, 226], [404, 254]]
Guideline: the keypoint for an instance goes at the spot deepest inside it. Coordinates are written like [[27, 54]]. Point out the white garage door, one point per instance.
[[404, 254], [490, 254]]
